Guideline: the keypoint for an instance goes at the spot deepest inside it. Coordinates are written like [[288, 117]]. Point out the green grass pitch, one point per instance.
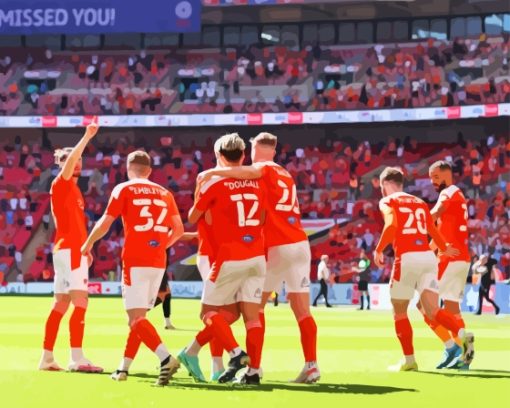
[[355, 349]]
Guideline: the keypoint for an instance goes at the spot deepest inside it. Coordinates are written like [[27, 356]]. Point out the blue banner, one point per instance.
[[99, 16]]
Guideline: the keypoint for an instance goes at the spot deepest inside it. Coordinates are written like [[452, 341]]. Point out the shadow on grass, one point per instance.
[[324, 388], [471, 373]]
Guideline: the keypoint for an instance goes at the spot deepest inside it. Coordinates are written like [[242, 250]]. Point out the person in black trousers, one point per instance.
[[484, 267], [165, 298], [323, 276], [363, 271]]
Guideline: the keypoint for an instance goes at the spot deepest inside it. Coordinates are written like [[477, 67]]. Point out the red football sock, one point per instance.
[[254, 342], [204, 336], [132, 345], [308, 330], [440, 331], [221, 330], [460, 320], [405, 335], [448, 320], [51, 329], [77, 326], [216, 348], [147, 333]]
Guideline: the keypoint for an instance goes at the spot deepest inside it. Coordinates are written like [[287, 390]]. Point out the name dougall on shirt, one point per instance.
[[233, 185]]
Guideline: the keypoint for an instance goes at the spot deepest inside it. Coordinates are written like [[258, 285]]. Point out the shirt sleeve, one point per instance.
[[172, 205], [385, 206], [442, 201], [60, 185], [115, 205], [205, 199]]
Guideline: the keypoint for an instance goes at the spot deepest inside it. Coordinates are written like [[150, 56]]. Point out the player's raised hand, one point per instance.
[[379, 259], [451, 251], [204, 177], [85, 249], [90, 258], [92, 128]]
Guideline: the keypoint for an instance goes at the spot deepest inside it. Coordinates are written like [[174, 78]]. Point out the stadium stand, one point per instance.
[[257, 78]]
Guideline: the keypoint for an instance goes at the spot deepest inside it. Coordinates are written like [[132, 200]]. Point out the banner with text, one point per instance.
[[98, 16]]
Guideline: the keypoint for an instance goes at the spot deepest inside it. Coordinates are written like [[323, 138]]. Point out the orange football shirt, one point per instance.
[[67, 207], [146, 209], [236, 208]]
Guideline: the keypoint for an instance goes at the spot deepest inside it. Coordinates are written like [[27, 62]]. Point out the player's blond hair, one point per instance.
[[265, 139], [392, 174], [230, 146], [139, 162], [60, 155]]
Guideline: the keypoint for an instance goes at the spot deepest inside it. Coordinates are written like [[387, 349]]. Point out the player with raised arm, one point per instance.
[[151, 225], [288, 249], [451, 215], [407, 225], [71, 267], [238, 263]]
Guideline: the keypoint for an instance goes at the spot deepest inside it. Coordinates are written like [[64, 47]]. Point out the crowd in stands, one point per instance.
[[256, 78], [337, 180]]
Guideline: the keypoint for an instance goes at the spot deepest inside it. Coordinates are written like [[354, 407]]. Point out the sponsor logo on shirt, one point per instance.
[[291, 220], [248, 238], [305, 283], [153, 243], [258, 293], [419, 242]]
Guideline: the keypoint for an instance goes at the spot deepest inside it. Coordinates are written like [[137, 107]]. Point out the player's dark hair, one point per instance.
[[392, 174], [232, 155], [441, 164]]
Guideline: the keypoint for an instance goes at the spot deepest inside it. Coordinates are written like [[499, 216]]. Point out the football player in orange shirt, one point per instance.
[[71, 267], [151, 225], [451, 215], [238, 264], [407, 224], [288, 249], [189, 355]]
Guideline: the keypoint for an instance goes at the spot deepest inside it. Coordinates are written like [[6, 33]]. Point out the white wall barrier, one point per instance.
[[260, 119]]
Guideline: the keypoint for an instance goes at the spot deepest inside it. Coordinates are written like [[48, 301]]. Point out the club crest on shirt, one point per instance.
[[291, 220]]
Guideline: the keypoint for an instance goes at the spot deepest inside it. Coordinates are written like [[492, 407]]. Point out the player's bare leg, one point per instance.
[[58, 310], [189, 355], [404, 333], [300, 305], [78, 362], [429, 301], [452, 348], [149, 336]]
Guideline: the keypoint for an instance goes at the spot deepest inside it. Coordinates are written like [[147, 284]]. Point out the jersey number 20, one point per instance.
[[415, 221]]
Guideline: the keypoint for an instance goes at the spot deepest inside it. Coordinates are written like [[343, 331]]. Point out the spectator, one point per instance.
[[29, 222]]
